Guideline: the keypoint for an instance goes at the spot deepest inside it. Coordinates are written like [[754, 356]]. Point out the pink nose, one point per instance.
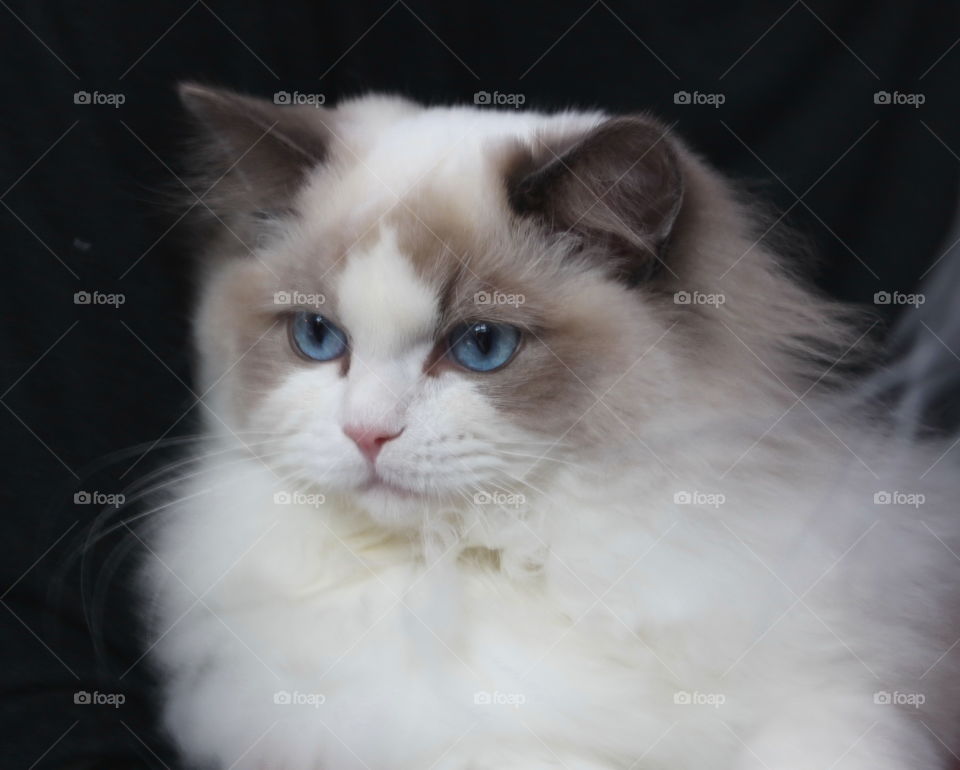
[[370, 440]]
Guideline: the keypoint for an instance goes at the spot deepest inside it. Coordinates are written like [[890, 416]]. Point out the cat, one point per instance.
[[527, 450]]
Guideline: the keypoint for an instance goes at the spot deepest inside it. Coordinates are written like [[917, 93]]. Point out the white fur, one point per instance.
[[794, 601]]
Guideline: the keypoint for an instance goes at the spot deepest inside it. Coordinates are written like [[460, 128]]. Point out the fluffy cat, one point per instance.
[[526, 451]]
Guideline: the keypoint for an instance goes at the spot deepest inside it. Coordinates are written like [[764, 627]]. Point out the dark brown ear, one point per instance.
[[618, 187], [253, 154]]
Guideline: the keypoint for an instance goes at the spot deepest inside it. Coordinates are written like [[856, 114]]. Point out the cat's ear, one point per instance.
[[618, 187], [252, 154]]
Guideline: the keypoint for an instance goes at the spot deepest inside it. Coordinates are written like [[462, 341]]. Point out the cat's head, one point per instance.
[[431, 309]]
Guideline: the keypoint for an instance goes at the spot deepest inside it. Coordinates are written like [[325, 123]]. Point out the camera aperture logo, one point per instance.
[[314, 499], [500, 499], [298, 299], [487, 298], [914, 499], [98, 298], [497, 99], [898, 298], [712, 499], [115, 499], [698, 298], [897, 98], [99, 98], [497, 698], [297, 698], [697, 698], [309, 100], [698, 98], [96, 698], [896, 698]]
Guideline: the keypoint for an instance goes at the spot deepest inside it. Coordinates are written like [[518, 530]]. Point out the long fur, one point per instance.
[[660, 537]]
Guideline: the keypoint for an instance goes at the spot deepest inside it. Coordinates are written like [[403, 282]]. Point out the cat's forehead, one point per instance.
[[402, 268], [436, 174], [409, 278], [381, 297], [411, 230]]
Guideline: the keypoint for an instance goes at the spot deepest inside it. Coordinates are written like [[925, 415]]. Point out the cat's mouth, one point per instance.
[[377, 483]]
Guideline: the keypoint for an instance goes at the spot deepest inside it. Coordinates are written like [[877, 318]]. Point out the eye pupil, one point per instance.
[[483, 338], [319, 328]]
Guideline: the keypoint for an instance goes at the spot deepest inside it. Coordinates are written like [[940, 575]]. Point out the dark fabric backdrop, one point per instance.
[[81, 187]]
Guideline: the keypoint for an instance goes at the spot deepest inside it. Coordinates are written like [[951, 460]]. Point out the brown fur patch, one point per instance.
[[618, 187]]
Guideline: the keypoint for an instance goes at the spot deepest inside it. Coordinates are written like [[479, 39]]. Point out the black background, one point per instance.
[[84, 187]]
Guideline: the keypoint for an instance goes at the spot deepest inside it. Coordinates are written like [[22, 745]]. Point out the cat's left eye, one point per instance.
[[317, 337], [483, 346]]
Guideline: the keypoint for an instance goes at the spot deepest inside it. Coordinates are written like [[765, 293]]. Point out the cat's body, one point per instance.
[[647, 539]]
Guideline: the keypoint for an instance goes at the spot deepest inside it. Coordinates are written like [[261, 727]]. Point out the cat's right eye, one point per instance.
[[317, 337]]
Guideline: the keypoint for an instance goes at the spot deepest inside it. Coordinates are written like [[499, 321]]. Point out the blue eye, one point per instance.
[[483, 346], [317, 338]]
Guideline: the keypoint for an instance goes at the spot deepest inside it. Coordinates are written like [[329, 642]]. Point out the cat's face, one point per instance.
[[454, 344]]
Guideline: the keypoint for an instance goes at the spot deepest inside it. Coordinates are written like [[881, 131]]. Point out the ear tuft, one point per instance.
[[618, 187]]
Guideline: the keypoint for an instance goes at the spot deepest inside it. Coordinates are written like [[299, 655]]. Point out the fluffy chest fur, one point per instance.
[[641, 625]]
